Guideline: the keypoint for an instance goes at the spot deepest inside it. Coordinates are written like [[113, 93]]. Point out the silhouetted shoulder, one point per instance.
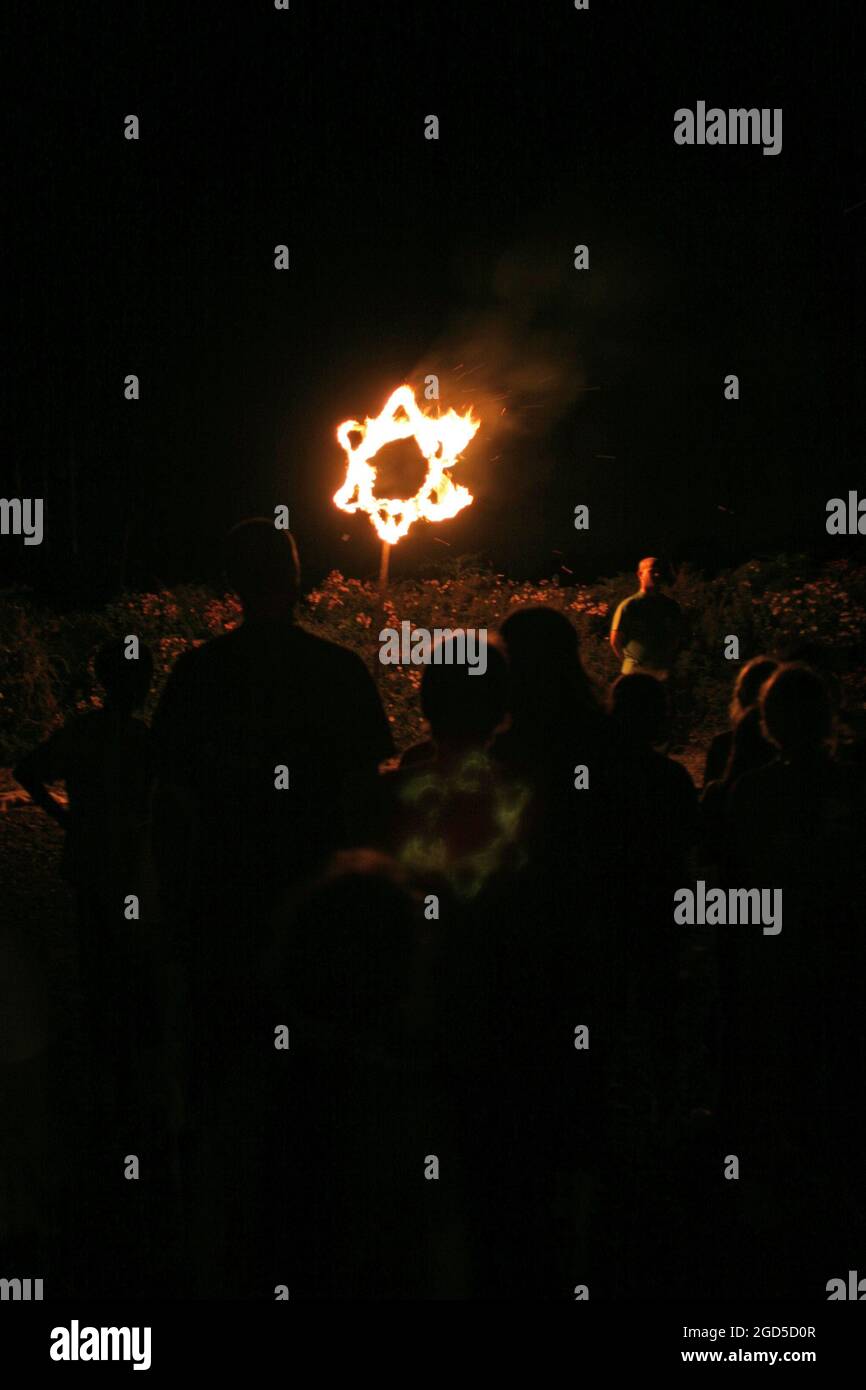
[[681, 774], [717, 756], [249, 640], [271, 683], [678, 780], [341, 659], [79, 742]]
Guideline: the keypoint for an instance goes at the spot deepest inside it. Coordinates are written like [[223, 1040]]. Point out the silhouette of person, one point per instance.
[[793, 818], [551, 696], [794, 998], [553, 961], [105, 759], [648, 629], [315, 1177], [748, 749], [450, 813], [747, 688], [263, 735], [557, 725], [365, 1102], [514, 962], [660, 825], [650, 856]]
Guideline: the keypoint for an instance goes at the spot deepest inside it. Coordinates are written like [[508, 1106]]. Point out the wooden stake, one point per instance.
[[383, 567]]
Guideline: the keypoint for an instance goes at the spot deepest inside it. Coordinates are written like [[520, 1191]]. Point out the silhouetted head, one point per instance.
[[639, 709], [650, 574], [547, 676], [749, 748], [796, 712], [125, 680], [463, 706], [747, 686], [806, 651], [823, 657], [262, 566]]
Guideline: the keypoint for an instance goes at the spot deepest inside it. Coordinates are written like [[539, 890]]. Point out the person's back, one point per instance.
[[349, 1108], [259, 734], [748, 751], [796, 826], [266, 696], [450, 815], [747, 688], [105, 759], [659, 807], [650, 858], [794, 818], [556, 742]]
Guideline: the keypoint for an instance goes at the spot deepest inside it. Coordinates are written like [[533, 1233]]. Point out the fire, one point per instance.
[[441, 439]]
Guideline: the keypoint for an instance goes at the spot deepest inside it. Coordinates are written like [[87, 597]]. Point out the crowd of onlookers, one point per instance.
[[432, 1031]]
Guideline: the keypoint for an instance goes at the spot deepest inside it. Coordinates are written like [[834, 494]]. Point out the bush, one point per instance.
[[46, 660]]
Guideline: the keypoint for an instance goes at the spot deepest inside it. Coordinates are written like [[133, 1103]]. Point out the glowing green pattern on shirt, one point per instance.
[[433, 794]]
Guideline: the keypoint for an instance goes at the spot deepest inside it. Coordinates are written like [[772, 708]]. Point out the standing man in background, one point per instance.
[[648, 628]]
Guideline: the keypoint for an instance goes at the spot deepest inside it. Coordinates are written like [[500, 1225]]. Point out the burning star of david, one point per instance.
[[440, 439]]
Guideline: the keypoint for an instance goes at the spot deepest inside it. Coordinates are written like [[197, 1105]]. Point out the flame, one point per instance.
[[441, 439]]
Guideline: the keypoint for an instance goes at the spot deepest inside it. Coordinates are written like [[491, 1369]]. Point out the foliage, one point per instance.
[[46, 659]]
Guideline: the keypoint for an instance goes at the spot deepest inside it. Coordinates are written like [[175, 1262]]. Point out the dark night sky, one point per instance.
[[306, 127]]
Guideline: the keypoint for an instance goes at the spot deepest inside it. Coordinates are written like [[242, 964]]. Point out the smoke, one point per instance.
[[515, 356]]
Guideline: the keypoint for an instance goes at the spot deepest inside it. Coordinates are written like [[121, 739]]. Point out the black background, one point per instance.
[[306, 127]]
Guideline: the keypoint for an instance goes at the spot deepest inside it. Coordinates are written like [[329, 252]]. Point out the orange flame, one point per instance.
[[441, 439]]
